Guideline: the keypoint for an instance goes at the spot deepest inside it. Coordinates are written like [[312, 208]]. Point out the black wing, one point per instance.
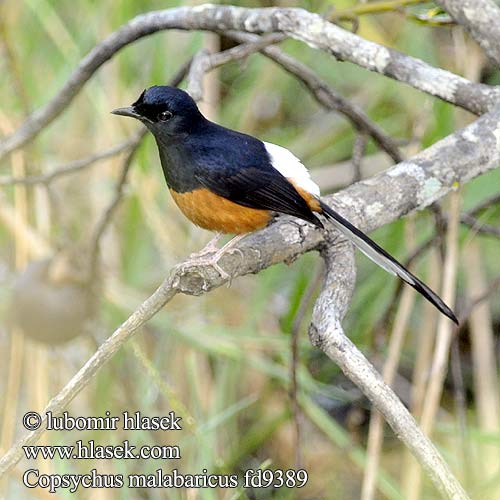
[[260, 187], [237, 167]]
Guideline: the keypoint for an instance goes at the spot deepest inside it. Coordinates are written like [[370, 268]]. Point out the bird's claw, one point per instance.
[[203, 259], [211, 254]]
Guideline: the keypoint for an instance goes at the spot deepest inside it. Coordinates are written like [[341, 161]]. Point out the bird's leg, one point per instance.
[[228, 247], [213, 260], [210, 247]]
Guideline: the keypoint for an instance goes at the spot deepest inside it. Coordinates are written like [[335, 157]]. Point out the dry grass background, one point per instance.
[[222, 361]]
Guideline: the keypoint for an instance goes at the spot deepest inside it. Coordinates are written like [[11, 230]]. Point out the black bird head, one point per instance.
[[166, 111]]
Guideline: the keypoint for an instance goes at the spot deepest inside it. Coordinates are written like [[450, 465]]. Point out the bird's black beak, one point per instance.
[[127, 111]]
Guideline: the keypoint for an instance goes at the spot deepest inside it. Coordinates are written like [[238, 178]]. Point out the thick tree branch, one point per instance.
[[427, 177], [296, 23], [481, 18], [327, 334]]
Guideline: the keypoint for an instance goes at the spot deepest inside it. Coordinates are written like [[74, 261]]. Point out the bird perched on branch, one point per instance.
[[229, 182]]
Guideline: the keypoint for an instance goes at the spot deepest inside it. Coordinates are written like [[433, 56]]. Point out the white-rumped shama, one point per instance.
[[230, 182]]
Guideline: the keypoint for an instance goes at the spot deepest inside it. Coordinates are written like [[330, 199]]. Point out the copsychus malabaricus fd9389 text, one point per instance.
[[230, 182]]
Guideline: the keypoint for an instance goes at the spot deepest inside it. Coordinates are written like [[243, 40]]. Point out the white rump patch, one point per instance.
[[291, 167]]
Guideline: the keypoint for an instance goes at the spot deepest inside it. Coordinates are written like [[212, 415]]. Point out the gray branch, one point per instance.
[[425, 178], [296, 23], [481, 18], [327, 334]]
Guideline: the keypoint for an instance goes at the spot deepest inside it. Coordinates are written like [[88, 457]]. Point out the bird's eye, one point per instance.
[[165, 116]]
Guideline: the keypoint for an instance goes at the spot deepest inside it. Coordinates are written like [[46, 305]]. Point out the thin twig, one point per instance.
[[478, 226], [358, 152], [73, 166], [204, 62], [487, 203], [108, 213], [467, 310]]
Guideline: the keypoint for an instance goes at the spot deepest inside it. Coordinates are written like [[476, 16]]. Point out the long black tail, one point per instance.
[[384, 260]]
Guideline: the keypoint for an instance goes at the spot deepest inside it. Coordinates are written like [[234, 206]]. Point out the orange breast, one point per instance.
[[212, 212]]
